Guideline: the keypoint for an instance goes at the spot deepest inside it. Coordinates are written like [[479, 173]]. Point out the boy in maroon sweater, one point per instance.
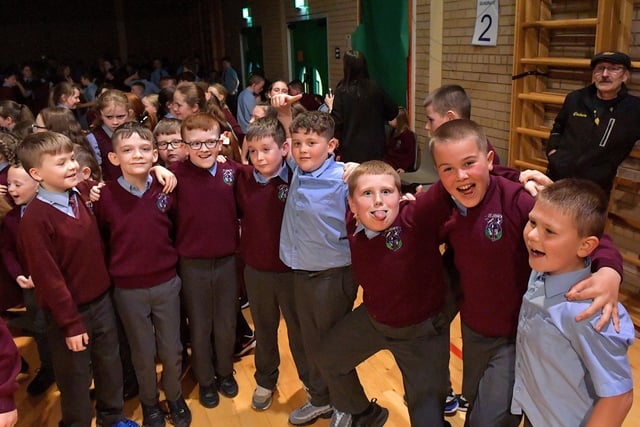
[[207, 235], [61, 243], [403, 295], [486, 226], [22, 189], [133, 214], [261, 194]]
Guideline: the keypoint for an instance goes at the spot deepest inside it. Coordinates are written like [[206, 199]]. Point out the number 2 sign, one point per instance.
[[486, 31]]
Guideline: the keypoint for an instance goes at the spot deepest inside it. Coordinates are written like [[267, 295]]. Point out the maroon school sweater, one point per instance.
[[65, 257], [137, 232], [109, 171], [491, 258], [207, 217], [261, 208], [400, 270]]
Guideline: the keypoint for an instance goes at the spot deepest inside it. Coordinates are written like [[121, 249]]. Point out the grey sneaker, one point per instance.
[[340, 419], [262, 398], [307, 414]]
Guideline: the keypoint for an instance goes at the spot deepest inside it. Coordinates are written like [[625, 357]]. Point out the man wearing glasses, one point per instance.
[[597, 126]]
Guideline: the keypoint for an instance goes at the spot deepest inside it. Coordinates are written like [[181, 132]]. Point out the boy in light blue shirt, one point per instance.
[[313, 242], [567, 373]]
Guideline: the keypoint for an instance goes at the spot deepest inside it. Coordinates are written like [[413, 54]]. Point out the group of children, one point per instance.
[[308, 240]]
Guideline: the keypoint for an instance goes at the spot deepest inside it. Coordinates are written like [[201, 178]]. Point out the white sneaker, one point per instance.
[[340, 419], [262, 398], [307, 414]]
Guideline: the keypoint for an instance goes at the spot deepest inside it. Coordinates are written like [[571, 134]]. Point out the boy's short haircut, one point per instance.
[[255, 79], [297, 85], [313, 121], [36, 145], [139, 83], [372, 167], [167, 127], [84, 157], [127, 130], [201, 121], [583, 200], [267, 127], [456, 130], [449, 97]]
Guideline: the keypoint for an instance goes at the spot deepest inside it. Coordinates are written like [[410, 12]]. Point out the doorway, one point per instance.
[[252, 60], [309, 59]]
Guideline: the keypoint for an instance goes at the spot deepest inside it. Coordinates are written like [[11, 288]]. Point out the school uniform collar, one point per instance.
[[132, 188], [369, 233], [559, 284], [55, 198], [323, 167], [283, 174]]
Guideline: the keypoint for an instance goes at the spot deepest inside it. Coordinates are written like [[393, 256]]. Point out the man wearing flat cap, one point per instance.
[[597, 126]]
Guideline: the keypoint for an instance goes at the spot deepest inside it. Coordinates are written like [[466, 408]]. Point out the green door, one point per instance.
[[309, 58], [252, 52]]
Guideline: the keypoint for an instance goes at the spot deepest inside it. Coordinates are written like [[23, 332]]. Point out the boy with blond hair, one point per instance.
[[61, 243], [568, 373]]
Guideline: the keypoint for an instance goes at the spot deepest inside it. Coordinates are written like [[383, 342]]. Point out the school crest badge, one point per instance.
[[162, 201], [89, 205], [392, 238], [283, 191], [227, 176], [493, 230]]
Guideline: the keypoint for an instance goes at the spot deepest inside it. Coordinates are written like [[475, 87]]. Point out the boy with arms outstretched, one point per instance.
[[486, 226], [568, 373], [59, 238]]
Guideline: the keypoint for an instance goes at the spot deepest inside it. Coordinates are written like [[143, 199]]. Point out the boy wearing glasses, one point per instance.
[[171, 148], [597, 126], [207, 236]]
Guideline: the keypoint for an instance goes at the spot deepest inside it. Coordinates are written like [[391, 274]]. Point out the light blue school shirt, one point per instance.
[[94, 143], [132, 188], [59, 201], [283, 174], [563, 366], [313, 235]]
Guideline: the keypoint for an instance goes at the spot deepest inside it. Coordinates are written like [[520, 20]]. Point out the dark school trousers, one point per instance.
[[39, 321], [488, 374], [100, 360], [322, 299], [151, 320], [269, 293], [421, 352], [210, 295]]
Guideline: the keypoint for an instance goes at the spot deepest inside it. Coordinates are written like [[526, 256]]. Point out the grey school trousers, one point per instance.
[[421, 352], [210, 291], [488, 375], [269, 293], [322, 299], [100, 360], [151, 319]]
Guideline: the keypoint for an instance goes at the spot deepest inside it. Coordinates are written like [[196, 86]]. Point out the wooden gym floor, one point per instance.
[[379, 375]]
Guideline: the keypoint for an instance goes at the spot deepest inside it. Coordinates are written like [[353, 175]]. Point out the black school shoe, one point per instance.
[[209, 396], [152, 416], [228, 386], [179, 412], [374, 416], [41, 382]]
